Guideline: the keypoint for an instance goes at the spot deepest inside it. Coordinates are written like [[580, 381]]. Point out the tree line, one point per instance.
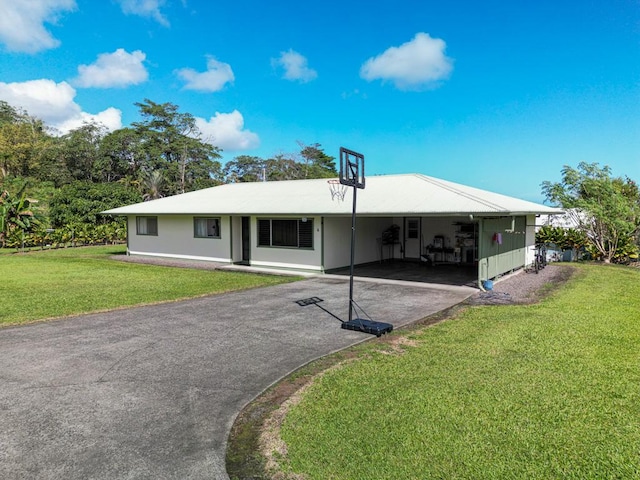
[[55, 185]]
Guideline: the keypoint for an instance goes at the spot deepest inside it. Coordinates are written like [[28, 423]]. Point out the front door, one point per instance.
[[412, 238], [246, 240]]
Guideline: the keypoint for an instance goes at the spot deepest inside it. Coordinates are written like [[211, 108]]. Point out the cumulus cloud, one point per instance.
[[226, 130], [145, 8], [216, 76], [117, 69], [54, 104], [295, 66], [111, 118], [414, 65], [22, 23]]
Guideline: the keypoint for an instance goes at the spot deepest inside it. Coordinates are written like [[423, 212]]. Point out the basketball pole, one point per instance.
[[353, 251]]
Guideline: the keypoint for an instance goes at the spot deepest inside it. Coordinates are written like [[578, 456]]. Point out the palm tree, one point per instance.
[[153, 184]]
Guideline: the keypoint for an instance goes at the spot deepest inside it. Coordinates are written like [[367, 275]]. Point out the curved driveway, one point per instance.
[[152, 392]]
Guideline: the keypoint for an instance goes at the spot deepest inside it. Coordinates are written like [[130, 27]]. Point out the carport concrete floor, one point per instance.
[[414, 271], [152, 392]]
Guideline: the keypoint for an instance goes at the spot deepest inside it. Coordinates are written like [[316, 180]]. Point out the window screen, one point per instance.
[[204, 227], [291, 233], [147, 225]]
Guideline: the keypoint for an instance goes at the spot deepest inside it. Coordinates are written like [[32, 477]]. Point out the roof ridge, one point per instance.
[[438, 182]]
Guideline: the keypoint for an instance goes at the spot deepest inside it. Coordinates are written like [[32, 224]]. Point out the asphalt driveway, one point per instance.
[[152, 392]]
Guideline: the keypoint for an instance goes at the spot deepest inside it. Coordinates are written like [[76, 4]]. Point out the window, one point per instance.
[[290, 233], [412, 228], [147, 225], [206, 227]]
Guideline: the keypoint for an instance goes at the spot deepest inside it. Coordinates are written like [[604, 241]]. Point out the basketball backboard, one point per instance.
[[351, 168]]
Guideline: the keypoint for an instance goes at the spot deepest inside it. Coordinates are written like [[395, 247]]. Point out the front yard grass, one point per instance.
[[542, 391], [55, 283]]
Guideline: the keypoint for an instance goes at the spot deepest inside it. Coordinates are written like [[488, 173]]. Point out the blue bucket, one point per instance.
[[487, 284]]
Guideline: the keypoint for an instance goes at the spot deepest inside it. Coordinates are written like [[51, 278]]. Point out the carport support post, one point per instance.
[[353, 251]]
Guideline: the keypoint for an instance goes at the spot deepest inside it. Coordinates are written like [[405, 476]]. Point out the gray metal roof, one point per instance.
[[384, 195]]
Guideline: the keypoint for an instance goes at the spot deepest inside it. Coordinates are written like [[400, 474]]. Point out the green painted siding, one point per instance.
[[495, 257]]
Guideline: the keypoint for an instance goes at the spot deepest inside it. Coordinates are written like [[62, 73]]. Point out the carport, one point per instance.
[[442, 249]]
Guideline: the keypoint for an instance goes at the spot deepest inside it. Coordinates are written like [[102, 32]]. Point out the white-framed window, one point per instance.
[[285, 232], [147, 226], [206, 227]]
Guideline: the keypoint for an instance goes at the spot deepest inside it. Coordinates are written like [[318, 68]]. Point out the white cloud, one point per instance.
[[295, 66], [216, 76], [226, 130], [414, 65], [22, 23], [117, 69], [145, 8], [111, 118], [53, 103]]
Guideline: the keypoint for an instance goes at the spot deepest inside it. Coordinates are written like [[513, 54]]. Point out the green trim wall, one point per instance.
[[495, 257]]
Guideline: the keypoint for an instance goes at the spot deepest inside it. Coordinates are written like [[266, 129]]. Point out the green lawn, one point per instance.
[[545, 391], [54, 283]]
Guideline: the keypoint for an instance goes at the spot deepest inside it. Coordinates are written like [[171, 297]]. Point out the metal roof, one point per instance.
[[384, 195]]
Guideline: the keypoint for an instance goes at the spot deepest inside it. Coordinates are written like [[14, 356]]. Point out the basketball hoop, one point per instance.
[[337, 189]]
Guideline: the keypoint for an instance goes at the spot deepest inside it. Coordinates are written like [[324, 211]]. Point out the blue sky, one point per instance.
[[498, 95]]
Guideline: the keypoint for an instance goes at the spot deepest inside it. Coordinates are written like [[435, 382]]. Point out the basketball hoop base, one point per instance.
[[368, 326]]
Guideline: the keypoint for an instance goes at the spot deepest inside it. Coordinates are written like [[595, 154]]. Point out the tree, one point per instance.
[[172, 143], [282, 168], [23, 140], [15, 213], [605, 209], [121, 156], [244, 168], [317, 163], [81, 150], [153, 185]]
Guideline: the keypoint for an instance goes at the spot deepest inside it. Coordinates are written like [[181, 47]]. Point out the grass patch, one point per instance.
[[540, 391], [55, 283]]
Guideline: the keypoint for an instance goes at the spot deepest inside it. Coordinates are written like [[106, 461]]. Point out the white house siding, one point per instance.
[[530, 239], [236, 239], [176, 239], [284, 257], [337, 240]]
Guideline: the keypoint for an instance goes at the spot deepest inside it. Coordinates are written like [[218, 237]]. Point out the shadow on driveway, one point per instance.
[[152, 392]]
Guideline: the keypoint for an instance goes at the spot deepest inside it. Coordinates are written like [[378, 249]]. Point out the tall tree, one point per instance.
[[23, 141], [81, 150], [172, 143], [606, 209], [282, 168], [317, 163], [244, 168], [121, 156]]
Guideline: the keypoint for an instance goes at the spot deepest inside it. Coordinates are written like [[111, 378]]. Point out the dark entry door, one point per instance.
[[246, 239]]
